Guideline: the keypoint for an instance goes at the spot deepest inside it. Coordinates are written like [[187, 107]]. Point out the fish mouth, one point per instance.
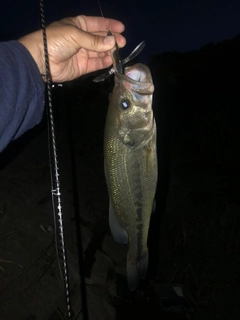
[[136, 78]]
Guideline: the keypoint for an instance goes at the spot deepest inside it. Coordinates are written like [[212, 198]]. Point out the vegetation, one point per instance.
[[197, 108]]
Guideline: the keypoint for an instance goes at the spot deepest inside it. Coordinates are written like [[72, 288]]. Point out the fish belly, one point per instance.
[[131, 175]]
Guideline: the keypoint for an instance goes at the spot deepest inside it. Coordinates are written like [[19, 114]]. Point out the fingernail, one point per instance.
[[109, 40]]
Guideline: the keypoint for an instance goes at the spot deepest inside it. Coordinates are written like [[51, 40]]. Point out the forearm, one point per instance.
[[21, 92]]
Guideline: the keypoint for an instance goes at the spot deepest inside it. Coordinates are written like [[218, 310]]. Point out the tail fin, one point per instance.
[[142, 266], [136, 271]]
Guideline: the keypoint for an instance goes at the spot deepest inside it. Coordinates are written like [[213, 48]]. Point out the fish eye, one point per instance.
[[125, 104]]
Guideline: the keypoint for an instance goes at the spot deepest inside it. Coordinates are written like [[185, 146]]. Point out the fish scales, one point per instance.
[[130, 160]]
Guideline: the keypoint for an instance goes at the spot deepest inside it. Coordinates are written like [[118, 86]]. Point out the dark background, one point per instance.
[[193, 50], [165, 25]]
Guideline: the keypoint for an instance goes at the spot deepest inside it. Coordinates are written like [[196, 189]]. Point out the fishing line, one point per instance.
[[54, 172], [109, 33], [100, 8]]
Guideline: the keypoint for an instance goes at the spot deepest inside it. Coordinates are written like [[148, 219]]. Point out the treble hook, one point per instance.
[[117, 62]]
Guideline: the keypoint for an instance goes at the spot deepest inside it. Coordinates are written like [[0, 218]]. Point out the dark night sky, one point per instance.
[[166, 25]]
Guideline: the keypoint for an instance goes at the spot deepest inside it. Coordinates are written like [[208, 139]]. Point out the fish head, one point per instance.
[[131, 105]]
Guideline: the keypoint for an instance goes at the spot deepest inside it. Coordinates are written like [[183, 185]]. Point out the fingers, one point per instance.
[[97, 43], [96, 24], [93, 42], [95, 64], [121, 40], [94, 27]]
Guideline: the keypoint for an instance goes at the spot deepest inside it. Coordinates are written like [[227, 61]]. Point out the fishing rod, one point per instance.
[[54, 174], [53, 160]]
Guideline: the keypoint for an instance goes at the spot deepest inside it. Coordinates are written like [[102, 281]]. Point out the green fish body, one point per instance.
[[130, 161]]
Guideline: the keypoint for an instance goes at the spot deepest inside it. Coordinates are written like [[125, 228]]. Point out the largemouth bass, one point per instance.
[[130, 162]]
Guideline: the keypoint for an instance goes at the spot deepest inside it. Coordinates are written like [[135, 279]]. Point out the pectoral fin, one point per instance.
[[117, 230]]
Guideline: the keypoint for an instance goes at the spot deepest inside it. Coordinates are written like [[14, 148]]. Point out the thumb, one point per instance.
[[95, 42]]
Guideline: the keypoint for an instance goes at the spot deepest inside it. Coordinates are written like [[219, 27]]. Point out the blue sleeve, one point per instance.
[[21, 92]]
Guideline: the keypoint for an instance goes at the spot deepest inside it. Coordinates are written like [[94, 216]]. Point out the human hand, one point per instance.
[[76, 46]]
